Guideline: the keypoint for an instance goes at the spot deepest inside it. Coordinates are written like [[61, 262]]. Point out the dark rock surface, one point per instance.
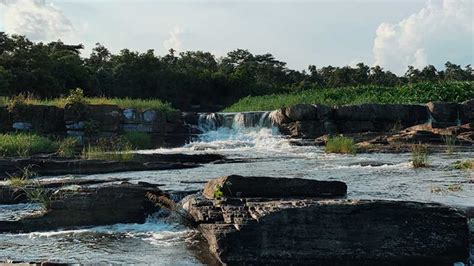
[[271, 187], [256, 231], [88, 206], [443, 113], [61, 166]]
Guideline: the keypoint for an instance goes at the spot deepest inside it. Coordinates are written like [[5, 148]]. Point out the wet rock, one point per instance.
[[255, 231], [22, 126], [278, 117], [191, 118], [305, 129], [355, 126], [443, 113], [271, 187], [301, 112], [405, 114], [87, 206]]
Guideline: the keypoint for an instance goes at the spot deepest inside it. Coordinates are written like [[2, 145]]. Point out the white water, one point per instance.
[[265, 153]]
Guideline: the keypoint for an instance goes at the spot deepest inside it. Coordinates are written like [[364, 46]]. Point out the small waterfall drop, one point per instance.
[[208, 122]]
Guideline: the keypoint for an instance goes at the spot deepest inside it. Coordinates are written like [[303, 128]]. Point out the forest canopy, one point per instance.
[[185, 79]]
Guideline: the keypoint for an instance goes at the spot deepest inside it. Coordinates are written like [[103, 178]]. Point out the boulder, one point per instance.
[[40, 118], [355, 126], [324, 112], [444, 112], [305, 129], [191, 118], [278, 117], [403, 113], [467, 111], [87, 206], [301, 112], [101, 117], [255, 231], [271, 187]]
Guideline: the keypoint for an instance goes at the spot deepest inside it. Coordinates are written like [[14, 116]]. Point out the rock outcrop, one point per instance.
[[89, 205], [314, 231]]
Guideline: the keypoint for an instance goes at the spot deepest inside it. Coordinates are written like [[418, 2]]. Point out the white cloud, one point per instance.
[[440, 31], [174, 40], [37, 19]]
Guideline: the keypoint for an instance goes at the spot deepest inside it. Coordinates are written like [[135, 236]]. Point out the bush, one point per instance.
[[23, 145], [419, 156], [76, 97], [464, 165], [138, 140], [340, 144]]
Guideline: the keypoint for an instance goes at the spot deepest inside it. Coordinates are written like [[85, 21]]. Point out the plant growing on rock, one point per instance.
[[464, 165], [22, 178], [419, 155], [138, 140], [340, 144], [66, 147], [36, 193], [449, 141], [76, 97], [218, 193]]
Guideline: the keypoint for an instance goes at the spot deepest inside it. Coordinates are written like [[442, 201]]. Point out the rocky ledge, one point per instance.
[[87, 205], [313, 231], [46, 165]]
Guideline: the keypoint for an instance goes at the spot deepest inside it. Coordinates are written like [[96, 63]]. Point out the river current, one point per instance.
[[259, 151]]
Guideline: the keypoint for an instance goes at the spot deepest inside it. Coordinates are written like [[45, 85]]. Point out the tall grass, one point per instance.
[[419, 156], [139, 104], [454, 91], [340, 144], [138, 140], [101, 153], [467, 165], [449, 141], [23, 145]]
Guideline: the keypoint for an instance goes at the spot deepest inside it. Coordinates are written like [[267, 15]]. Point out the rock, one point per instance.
[[278, 117], [405, 114], [87, 206], [330, 232], [106, 117], [174, 117], [40, 118], [324, 112], [355, 126], [443, 113], [301, 112], [305, 129], [191, 118], [271, 187], [418, 136], [467, 111], [5, 119]]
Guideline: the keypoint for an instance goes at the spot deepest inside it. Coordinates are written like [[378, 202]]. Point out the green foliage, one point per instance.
[[412, 93], [419, 156], [22, 178], [466, 165], [66, 147], [18, 101], [76, 97], [340, 144], [138, 140], [114, 150], [23, 145], [449, 141], [218, 193], [38, 194]]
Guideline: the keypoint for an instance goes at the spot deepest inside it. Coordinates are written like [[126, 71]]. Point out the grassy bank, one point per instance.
[[23, 145], [139, 104], [415, 93]]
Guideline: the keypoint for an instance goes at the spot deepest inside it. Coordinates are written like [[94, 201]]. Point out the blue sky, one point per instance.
[[390, 33]]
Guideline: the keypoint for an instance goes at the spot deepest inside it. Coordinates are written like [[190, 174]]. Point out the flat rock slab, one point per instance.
[[90, 206], [141, 162], [330, 232], [272, 187]]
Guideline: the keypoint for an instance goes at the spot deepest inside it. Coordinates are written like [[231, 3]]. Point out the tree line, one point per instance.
[[186, 79]]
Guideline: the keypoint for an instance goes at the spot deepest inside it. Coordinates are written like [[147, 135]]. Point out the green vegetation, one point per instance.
[[66, 147], [38, 194], [138, 140], [115, 150], [449, 141], [419, 156], [22, 178], [185, 79], [340, 144], [218, 193], [23, 145], [466, 165], [413, 93]]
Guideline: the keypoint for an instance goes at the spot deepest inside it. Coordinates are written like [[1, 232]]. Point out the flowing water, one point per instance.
[[262, 151]]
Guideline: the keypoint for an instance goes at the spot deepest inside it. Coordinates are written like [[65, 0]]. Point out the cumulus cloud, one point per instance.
[[174, 39], [37, 19], [439, 32]]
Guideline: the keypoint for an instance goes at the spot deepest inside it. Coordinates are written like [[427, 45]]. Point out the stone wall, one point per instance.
[[166, 129], [311, 121]]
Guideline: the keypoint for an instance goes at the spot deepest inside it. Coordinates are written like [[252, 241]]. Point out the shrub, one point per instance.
[[419, 156], [66, 147], [38, 194], [340, 144], [138, 140], [116, 150], [23, 145], [449, 141], [464, 165], [76, 97]]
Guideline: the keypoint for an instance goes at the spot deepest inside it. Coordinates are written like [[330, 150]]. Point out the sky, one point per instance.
[[389, 33]]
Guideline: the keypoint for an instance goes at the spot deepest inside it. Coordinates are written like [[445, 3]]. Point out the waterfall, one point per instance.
[[236, 121]]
